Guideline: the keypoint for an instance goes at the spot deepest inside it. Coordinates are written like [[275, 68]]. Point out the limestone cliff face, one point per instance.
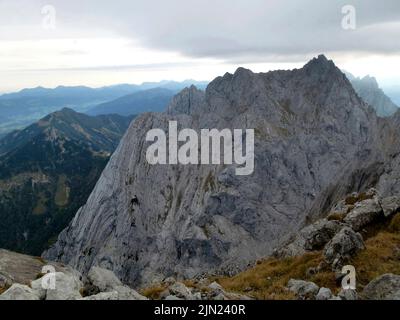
[[315, 140]]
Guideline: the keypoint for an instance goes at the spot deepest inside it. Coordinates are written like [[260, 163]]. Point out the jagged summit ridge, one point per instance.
[[312, 134]]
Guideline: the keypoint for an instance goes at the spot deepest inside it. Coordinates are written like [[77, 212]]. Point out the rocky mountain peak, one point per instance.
[[146, 222], [371, 80], [186, 101], [320, 68]]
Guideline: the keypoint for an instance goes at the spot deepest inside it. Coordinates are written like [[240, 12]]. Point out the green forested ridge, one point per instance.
[[47, 171]]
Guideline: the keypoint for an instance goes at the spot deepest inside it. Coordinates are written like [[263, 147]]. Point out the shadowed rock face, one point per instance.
[[315, 140]]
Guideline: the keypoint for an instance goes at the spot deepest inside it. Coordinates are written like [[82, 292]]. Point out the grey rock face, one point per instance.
[[390, 205], [363, 214], [303, 289], [385, 287], [342, 247], [19, 292], [104, 279], [188, 220]]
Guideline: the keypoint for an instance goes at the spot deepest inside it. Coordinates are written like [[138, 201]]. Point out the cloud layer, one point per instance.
[[181, 32]]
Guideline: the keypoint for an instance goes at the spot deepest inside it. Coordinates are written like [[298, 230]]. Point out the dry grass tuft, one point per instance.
[[381, 256], [336, 216], [351, 200], [154, 291], [4, 289], [394, 225], [269, 278]]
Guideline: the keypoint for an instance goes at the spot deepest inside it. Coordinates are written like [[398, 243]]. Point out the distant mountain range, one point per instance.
[[47, 171], [22, 108], [368, 89], [151, 100]]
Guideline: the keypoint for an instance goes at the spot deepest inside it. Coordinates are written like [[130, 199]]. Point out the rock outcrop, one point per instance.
[[31, 278], [316, 141], [384, 287], [358, 212], [344, 245], [19, 292], [303, 289]]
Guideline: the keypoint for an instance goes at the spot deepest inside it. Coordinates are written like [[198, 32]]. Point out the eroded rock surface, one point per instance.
[[316, 141]]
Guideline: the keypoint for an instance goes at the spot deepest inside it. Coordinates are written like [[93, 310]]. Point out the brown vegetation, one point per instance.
[[269, 278]]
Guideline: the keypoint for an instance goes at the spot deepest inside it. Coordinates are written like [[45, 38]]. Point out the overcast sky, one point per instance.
[[97, 43]]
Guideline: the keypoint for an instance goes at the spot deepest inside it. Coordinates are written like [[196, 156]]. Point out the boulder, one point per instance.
[[126, 293], [19, 292], [390, 205], [179, 290], [303, 289], [364, 213], [120, 293], [215, 286], [384, 287], [104, 279], [344, 245], [318, 234], [67, 288], [348, 294], [220, 296], [312, 237], [324, 294], [339, 211], [38, 289], [293, 249], [197, 296]]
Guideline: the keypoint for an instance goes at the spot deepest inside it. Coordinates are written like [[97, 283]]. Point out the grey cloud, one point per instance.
[[130, 67], [239, 30]]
